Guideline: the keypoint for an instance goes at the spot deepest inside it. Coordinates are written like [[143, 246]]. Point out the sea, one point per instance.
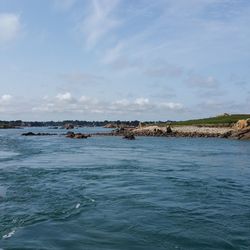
[[107, 193]]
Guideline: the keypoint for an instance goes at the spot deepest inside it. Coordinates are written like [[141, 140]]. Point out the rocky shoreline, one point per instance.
[[159, 132], [241, 131], [180, 131]]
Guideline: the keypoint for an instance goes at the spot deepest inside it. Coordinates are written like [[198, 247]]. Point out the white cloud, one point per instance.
[[143, 105], [10, 27], [62, 103], [88, 100], [138, 105], [141, 101], [44, 108], [5, 102], [172, 105], [66, 97], [122, 102], [5, 98], [99, 22], [66, 103]]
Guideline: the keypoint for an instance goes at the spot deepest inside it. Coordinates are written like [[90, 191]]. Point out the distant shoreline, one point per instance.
[[225, 120], [235, 126], [157, 131]]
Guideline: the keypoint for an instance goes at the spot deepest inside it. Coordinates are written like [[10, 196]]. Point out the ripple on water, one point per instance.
[[107, 193], [7, 155], [3, 191]]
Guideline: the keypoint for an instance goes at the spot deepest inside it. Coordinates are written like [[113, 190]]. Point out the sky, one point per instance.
[[123, 59]]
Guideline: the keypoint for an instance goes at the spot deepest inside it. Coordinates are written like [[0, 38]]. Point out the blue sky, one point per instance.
[[123, 59]]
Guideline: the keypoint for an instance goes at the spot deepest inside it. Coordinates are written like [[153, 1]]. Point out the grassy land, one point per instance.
[[223, 120]]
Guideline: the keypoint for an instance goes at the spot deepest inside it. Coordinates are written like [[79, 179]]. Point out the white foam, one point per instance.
[[78, 205], [92, 200], [10, 234]]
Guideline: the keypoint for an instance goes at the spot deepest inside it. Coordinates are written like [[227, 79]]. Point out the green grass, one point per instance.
[[223, 120]]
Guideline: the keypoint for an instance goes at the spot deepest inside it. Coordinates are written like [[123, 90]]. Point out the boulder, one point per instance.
[[241, 124]]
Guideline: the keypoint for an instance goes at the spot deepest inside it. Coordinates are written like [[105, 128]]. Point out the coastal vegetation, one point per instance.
[[221, 120]]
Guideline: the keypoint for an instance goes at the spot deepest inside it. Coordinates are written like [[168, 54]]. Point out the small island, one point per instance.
[[235, 126]]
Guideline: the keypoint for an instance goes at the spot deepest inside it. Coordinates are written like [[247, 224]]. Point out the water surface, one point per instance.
[[109, 193]]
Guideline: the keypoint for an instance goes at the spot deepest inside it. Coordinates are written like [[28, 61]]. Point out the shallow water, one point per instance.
[[109, 193]]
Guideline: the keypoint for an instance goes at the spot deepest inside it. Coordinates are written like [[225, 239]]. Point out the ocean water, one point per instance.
[[108, 193]]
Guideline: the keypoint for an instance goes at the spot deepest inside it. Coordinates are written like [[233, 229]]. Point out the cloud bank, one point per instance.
[[64, 103]]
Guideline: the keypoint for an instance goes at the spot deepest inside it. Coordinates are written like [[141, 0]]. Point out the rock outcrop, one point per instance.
[[242, 134], [175, 131], [241, 124], [242, 131], [77, 135]]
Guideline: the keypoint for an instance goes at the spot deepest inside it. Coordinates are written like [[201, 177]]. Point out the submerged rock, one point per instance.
[[129, 136], [29, 134], [38, 134]]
